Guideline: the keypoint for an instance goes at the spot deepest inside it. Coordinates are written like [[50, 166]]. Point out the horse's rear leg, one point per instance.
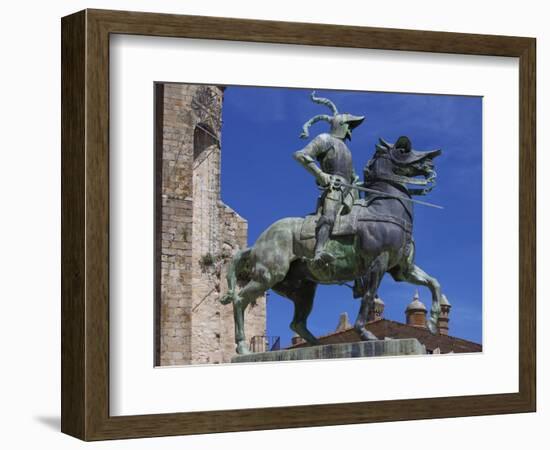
[[269, 261], [248, 294], [416, 275], [372, 280], [303, 302]]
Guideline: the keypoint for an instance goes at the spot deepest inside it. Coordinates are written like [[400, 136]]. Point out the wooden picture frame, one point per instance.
[[85, 224]]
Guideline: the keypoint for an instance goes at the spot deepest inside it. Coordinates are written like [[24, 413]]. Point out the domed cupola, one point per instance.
[[378, 312], [416, 312]]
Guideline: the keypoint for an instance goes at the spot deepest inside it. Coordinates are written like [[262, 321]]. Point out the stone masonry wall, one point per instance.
[[199, 234], [176, 226]]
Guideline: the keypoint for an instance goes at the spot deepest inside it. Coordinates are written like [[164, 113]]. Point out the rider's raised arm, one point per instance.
[[311, 153]]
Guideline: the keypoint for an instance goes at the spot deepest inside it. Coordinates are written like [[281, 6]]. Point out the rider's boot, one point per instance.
[[322, 258]]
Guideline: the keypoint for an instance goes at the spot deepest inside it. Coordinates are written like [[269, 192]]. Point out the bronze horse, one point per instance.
[[374, 238]]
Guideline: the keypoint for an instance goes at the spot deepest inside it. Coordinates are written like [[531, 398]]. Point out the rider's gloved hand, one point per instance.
[[324, 179]]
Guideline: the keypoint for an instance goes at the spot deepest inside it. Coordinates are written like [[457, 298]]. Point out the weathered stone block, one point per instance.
[[394, 347]]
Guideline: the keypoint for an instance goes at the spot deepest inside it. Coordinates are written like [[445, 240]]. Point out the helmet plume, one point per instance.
[[324, 101], [317, 118]]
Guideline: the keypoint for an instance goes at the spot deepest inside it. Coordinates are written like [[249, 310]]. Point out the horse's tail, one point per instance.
[[235, 268]]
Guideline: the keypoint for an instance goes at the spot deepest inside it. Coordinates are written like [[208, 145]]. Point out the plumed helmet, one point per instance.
[[341, 125]]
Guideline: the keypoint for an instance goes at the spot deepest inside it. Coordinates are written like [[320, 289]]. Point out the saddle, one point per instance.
[[346, 225]]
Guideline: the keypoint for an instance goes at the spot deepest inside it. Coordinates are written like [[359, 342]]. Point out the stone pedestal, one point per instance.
[[390, 347]]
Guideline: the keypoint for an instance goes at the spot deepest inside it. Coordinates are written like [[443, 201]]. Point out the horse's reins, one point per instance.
[[338, 183]]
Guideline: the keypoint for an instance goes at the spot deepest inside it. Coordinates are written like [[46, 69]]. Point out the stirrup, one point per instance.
[[323, 257]]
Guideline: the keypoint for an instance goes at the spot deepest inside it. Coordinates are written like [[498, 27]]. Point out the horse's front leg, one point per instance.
[[416, 275], [372, 279]]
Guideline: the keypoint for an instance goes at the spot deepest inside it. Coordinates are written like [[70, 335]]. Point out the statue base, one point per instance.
[[389, 347]]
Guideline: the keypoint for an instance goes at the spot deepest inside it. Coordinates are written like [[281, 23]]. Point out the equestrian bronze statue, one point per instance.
[[367, 237]]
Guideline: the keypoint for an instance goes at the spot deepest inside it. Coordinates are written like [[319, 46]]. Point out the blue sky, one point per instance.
[[263, 183]]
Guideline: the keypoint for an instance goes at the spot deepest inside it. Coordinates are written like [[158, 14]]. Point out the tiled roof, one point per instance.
[[385, 328]]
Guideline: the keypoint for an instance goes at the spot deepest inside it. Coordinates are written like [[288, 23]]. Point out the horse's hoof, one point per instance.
[[366, 335], [226, 299], [242, 349], [432, 327]]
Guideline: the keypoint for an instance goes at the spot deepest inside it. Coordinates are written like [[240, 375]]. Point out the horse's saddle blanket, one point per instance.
[[346, 225]]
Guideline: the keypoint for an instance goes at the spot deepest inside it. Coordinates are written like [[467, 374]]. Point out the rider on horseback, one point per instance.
[[336, 165]]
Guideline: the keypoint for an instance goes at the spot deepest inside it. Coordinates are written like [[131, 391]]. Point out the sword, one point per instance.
[[337, 183]]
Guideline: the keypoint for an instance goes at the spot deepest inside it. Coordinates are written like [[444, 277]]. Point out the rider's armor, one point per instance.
[[336, 167]]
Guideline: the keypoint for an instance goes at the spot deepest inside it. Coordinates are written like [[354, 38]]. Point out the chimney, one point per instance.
[[416, 312], [343, 322], [443, 322], [377, 312]]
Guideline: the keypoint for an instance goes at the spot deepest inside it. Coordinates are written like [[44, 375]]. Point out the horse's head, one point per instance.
[[400, 164]]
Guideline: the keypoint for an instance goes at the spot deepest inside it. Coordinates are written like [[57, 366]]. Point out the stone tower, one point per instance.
[[443, 322], [196, 233]]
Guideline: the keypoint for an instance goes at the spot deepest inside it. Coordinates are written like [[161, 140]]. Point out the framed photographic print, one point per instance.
[[266, 224]]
